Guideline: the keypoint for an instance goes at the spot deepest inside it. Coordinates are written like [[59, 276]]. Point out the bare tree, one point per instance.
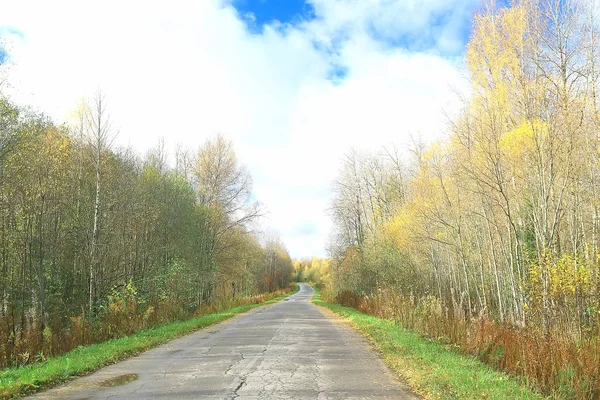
[[100, 137], [224, 185]]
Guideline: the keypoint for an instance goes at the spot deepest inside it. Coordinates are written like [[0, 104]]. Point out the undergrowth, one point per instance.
[[31, 378], [432, 369]]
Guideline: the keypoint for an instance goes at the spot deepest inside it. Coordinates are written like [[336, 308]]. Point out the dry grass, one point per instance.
[[557, 363], [34, 377], [123, 316]]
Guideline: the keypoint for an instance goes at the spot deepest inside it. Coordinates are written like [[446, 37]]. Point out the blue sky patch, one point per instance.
[[257, 13], [337, 74], [427, 38], [304, 228], [6, 31], [15, 31], [10, 30]]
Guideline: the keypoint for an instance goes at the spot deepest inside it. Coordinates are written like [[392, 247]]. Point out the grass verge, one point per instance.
[[32, 378], [433, 370]]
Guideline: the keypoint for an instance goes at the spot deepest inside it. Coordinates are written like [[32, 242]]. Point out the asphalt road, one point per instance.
[[289, 350]]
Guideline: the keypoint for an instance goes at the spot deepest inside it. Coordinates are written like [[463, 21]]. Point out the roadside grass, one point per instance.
[[433, 370], [19, 381]]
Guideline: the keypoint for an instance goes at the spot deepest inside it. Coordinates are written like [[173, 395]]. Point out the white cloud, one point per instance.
[[417, 23], [192, 69]]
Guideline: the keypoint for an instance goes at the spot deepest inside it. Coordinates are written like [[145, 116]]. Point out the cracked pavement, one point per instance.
[[288, 350]]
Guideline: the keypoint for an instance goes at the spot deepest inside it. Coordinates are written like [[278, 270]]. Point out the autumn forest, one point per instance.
[[487, 240], [97, 242], [490, 238]]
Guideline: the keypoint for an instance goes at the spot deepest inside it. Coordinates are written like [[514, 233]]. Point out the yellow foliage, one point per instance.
[[568, 276], [316, 272], [564, 278], [493, 53], [297, 266], [519, 140], [535, 283], [399, 228], [433, 181]]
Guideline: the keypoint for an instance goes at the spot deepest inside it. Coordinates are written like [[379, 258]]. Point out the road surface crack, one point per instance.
[[233, 363], [242, 383]]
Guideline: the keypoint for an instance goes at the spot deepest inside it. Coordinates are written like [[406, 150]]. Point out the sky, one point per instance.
[[295, 84]]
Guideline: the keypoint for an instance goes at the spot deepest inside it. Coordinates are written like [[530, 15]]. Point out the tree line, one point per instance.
[[94, 237], [490, 237], [313, 270]]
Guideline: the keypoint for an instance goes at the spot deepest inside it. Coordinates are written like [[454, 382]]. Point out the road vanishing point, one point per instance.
[[288, 350]]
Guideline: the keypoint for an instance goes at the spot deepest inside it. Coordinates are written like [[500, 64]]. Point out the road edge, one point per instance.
[[18, 389]]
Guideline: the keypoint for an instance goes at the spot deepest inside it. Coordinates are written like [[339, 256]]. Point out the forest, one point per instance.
[[97, 242], [489, 238], [486, 240]]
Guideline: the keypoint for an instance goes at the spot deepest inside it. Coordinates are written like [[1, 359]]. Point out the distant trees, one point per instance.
[[315, 271], [279, 267], [92, 236], [367, 193]]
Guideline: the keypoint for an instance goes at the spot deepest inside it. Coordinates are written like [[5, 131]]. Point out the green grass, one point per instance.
[[28, 379], [433, 370]]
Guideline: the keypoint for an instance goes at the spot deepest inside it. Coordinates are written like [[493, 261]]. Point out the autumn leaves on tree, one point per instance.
[[499, 222], [96, 242]]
